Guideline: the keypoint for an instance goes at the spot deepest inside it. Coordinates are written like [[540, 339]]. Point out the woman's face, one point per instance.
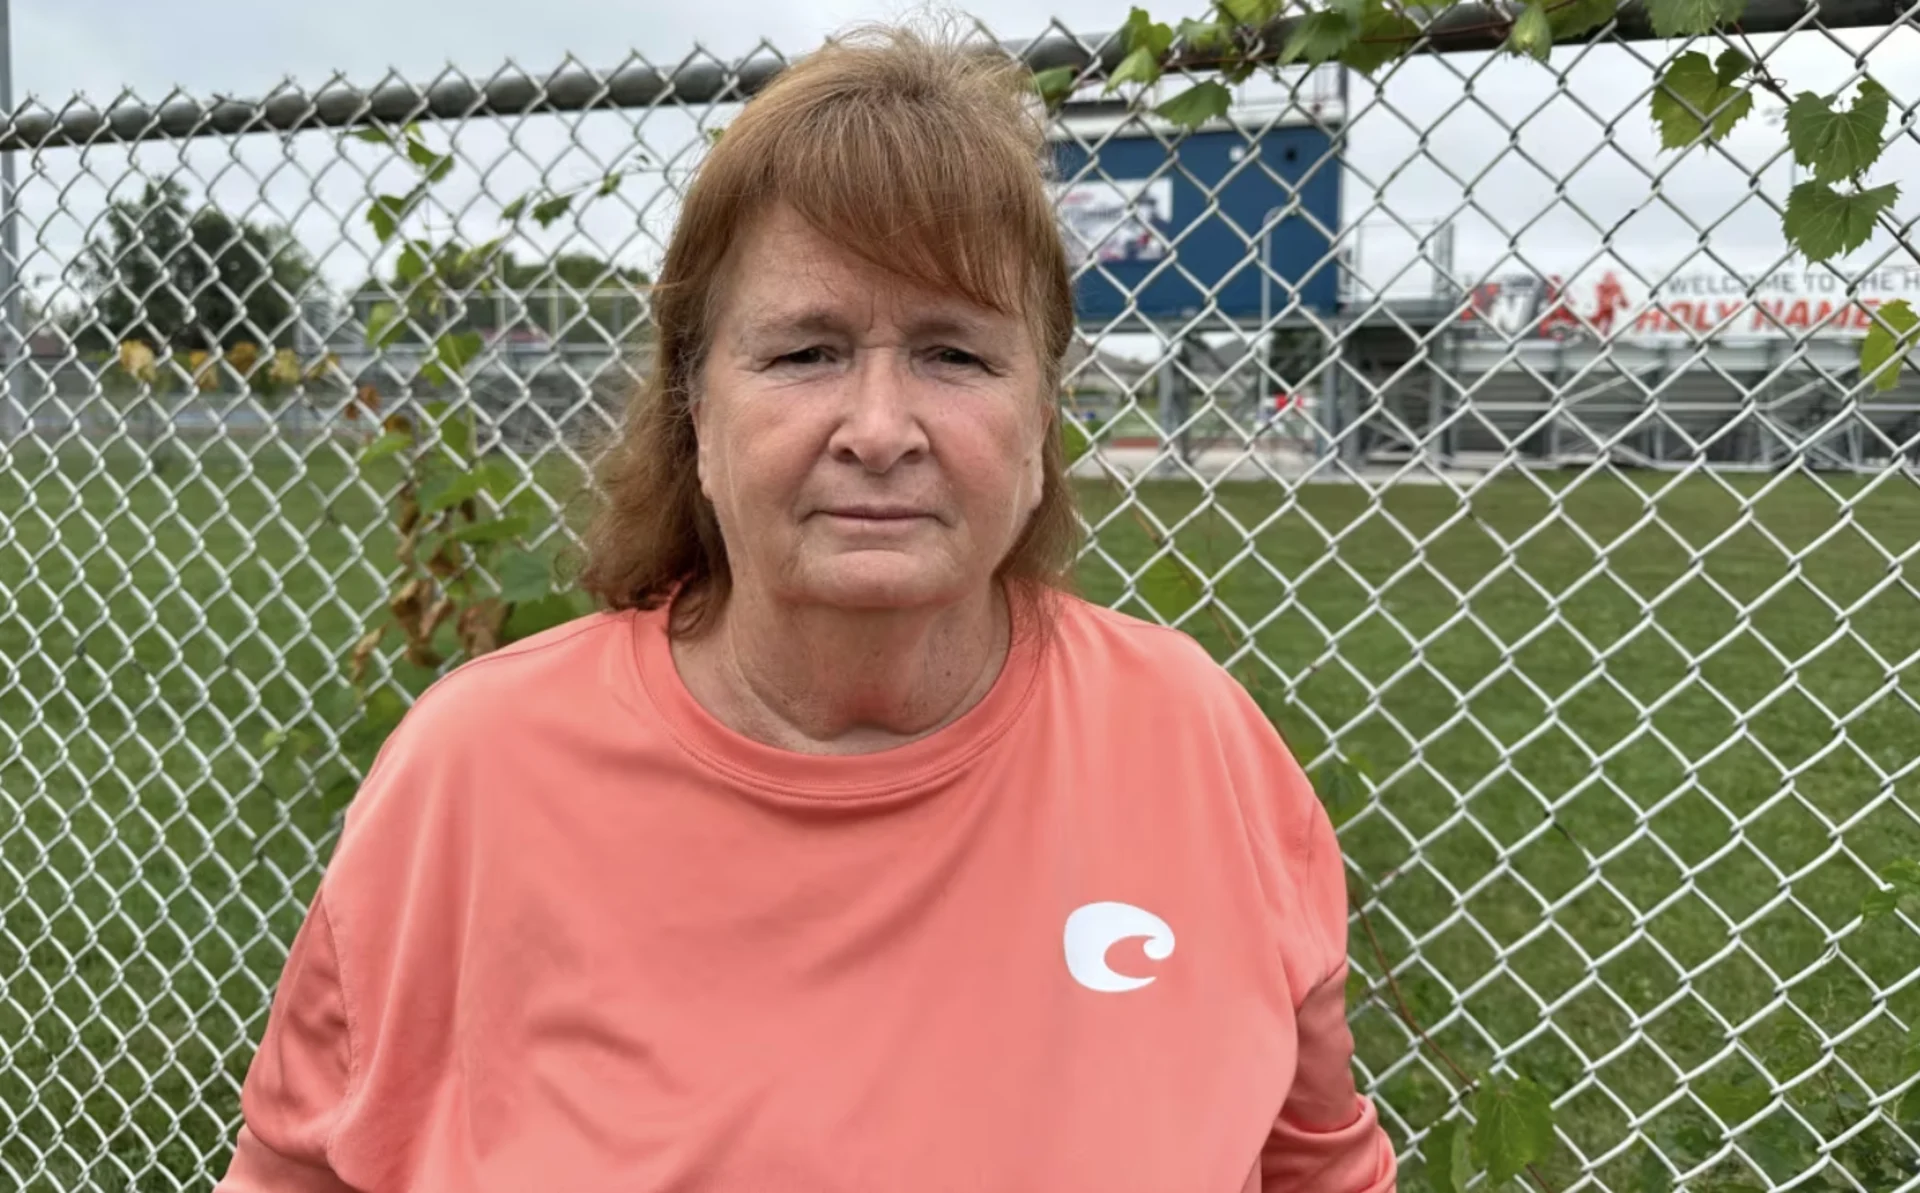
[[865, 444]]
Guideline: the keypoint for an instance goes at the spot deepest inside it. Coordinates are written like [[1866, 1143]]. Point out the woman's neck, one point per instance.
[[828, 681]]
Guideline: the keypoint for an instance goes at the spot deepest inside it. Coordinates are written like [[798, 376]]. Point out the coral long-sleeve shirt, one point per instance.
[[578, 935]]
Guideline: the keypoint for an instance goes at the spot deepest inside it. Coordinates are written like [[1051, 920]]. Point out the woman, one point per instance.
[[844, 851]]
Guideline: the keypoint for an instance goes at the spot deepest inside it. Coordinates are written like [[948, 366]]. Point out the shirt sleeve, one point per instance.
[[299, 1079], [1328, 1137], [349, 1068]]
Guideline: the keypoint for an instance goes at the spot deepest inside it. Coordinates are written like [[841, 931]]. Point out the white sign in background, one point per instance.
[[1116, 220], [1793, 303]]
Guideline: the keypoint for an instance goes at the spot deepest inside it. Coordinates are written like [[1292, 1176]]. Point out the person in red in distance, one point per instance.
[[844, 850]]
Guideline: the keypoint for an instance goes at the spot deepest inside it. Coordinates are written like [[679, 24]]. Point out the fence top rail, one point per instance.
[[511, 91]]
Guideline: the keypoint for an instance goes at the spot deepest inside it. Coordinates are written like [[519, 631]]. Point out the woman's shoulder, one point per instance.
[[1130, 652], [508, 700], [552, 670]]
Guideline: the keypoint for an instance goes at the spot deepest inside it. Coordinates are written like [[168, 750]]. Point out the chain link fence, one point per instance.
[[1515, 466]]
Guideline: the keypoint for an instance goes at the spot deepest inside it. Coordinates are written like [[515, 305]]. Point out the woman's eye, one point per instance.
[[802, 356], [957, 356]]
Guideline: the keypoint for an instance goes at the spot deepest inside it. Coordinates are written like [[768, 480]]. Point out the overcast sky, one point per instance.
[[1503, 188]]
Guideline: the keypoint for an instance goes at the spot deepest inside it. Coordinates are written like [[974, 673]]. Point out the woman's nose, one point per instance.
[[878, 427]]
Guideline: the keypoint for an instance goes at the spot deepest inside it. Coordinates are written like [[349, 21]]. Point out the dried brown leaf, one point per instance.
[[437, 616], [408, 604], [480, 624], [363, 650], [444, 562]]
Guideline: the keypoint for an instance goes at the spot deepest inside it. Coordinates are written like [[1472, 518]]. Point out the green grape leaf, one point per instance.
[[512, 210], [1835, 144], [1532, 34], [1204, 36], [1514, 1127], [547, 211], [386, 323], [1074, 436], [391, 443], [1822, 222], [1055, 84], [1341, 784], [1730, 65], [1250, 12], [1386, 35], [479, 259], [456, 435], [1581, 16], [385, 215], [523, 576], [388, 211], [384, 709], [434, 165], [1140, 66], [446, 491], [548, 611], [1902, 878], [1682, 18], [498, 478], [1320, 36], [455, 350], [493, 530], [1197, 104], [1697, 98], [1887, 343], [1446, 1151], [1142, 32], [411, 267], [1879, 903], [1654, 1177], [1908, 1111]]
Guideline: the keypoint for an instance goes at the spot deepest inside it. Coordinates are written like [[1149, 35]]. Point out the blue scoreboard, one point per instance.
[[1169, 230]]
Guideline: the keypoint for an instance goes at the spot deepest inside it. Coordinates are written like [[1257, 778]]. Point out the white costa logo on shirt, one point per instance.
[[1097, 927]]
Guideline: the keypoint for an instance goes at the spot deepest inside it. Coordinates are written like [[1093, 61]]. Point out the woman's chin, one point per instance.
[[876, 580]]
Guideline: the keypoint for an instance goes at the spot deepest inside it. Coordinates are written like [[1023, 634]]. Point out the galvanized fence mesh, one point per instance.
[[1516, 466]]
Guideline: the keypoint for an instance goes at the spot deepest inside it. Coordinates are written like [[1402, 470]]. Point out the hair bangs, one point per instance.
[[903, 194]]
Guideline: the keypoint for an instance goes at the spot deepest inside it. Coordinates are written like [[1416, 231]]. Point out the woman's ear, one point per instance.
[[1037, 459], [697, 420]]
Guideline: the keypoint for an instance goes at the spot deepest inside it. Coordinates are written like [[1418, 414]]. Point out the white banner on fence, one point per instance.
[[1788, 303], [1111, 220]]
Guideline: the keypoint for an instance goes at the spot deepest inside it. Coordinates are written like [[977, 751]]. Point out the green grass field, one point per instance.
[[1617, 793]]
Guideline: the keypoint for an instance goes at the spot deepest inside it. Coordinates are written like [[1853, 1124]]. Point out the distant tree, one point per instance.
[[189, 280], [580, 272]]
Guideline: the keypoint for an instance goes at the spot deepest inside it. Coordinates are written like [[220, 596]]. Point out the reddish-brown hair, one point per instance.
[[923, 153]]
